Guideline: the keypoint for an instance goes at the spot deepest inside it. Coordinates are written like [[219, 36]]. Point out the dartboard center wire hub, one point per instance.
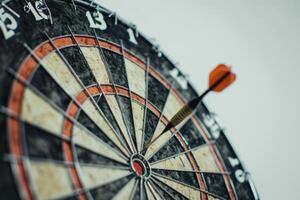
[[140, 166]]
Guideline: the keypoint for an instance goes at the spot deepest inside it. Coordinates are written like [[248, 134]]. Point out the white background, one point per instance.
[[260, 39]]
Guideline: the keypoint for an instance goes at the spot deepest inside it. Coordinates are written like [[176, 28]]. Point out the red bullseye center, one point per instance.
[[138, 167]]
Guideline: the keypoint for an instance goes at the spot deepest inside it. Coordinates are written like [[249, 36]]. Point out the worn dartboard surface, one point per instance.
[[82, 96]]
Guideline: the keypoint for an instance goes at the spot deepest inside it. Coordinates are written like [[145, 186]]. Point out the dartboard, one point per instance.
[[83, 96]]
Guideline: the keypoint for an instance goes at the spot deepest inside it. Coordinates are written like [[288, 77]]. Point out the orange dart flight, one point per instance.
[[219, 79], [216, 82]]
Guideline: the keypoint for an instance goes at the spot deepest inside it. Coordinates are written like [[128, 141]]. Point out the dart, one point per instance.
[[219, 79]]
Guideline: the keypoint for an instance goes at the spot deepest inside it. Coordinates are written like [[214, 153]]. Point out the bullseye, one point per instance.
[[138, 167]]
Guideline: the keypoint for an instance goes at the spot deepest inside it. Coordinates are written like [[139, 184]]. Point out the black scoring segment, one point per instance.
[[216, 185], [143, 192], [116, 67], [103, 105], [93, 128], [42, 144], [172, 147], [108, 191], [126, 109], [151, 123], [137, 192], [45, 84], [157, 93], [78, 64], [86, 156], [8, 186], [160, 191], [3, 135], [189, 178], [192, 134], [167, 191]]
